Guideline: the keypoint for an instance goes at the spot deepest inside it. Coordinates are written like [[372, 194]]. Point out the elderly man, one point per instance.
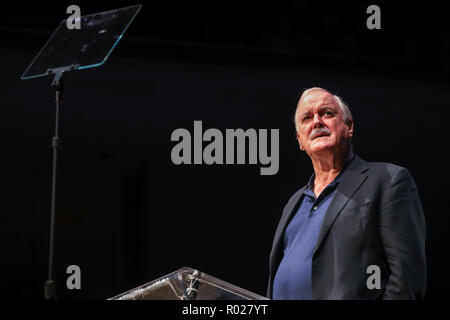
[[357, 229]]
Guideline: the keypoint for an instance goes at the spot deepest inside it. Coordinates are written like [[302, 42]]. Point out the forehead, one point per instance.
[[316, 98]]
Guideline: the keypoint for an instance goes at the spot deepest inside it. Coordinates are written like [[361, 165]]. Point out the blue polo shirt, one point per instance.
[[293, 278]]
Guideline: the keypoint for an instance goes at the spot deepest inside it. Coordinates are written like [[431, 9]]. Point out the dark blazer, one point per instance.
[[375, 218]]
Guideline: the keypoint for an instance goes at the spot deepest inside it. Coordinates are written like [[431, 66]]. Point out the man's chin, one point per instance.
[[320, 147]]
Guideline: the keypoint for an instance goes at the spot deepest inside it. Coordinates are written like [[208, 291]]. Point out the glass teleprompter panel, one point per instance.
[[87, 47]]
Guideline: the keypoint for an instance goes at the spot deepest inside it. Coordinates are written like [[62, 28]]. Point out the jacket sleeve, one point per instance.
[[403, 231]]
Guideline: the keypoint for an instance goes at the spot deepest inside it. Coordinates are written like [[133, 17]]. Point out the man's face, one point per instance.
[[321, 123]]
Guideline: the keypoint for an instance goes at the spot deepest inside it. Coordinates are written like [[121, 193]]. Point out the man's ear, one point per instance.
[[351, 128]]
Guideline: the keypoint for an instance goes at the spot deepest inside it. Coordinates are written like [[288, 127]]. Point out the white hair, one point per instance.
[[345, 109]]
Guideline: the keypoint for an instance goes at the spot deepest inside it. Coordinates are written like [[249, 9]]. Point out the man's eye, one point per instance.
[[306, 118], [328, 113]]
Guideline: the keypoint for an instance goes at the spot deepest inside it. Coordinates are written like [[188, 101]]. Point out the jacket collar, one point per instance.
[[352, 179]]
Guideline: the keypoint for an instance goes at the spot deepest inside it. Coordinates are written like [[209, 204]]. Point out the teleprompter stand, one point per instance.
[[69, 50]]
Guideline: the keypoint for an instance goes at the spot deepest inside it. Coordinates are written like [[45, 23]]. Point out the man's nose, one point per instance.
[[317, 121]]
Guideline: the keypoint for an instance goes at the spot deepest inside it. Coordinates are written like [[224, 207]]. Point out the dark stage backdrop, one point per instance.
[[127, 215]]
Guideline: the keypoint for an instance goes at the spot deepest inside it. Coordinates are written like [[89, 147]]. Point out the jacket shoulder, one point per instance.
[[386, 167], [389, 174]]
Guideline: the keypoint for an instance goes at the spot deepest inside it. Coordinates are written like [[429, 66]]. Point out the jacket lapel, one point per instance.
[[290, 210], [353, 178]]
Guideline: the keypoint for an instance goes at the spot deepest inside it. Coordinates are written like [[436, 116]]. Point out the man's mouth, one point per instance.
[[320, 135]]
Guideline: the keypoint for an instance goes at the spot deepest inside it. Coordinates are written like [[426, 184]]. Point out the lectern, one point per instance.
[[188, 284]]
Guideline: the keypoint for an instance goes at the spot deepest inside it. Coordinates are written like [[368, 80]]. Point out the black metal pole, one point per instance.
[[50, 284]]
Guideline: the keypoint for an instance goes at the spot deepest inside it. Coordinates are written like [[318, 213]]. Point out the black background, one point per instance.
[[126, 214]]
